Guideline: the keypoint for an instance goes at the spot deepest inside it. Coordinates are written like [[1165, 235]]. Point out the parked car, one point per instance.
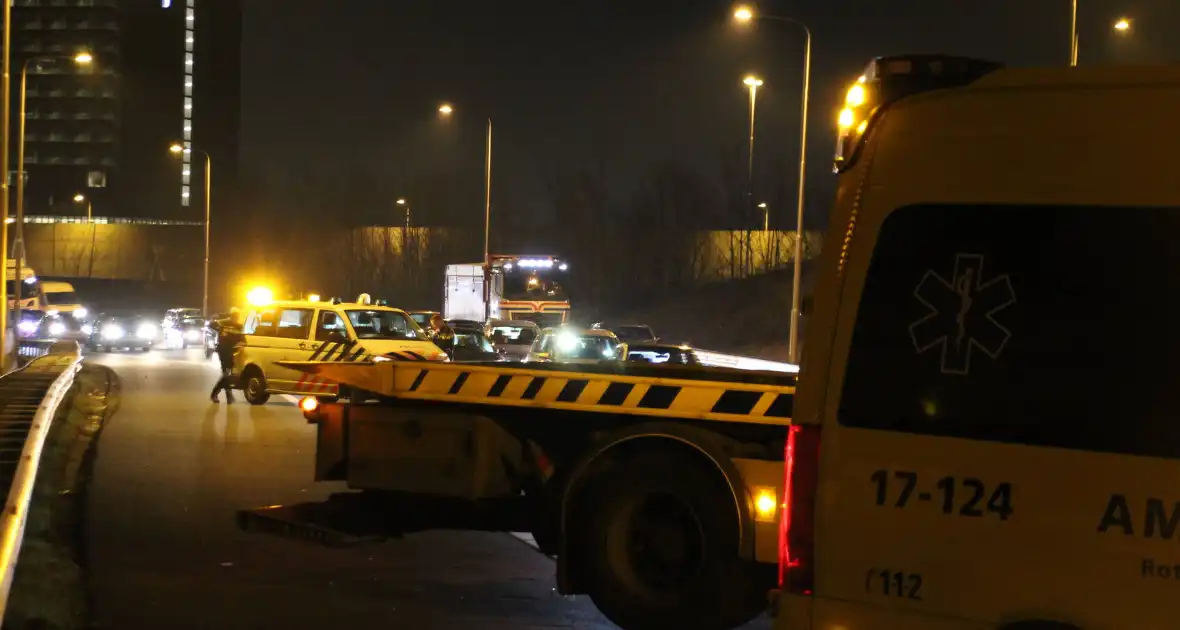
[[659, 354], [209, 335], [465, 324], [513, 337], [473, 345], [129, 331], [574, 345], [30, 323], [182, 328], [63, 326], [422, 318], [630, 333]]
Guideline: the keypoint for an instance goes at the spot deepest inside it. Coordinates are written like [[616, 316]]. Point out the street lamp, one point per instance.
[[179, 149], [745, 15], [446, 110], [765, 216], [80, 198], [1122, 25], [402, 202], [81, 59], [753, 83]]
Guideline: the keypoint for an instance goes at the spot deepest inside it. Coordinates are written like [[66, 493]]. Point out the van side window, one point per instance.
[[329, 322], [294, 323], [1020, 324], [266, 324]]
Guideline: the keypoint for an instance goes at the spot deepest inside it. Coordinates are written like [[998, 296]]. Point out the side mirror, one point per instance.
[[337, 337], [657, 339]]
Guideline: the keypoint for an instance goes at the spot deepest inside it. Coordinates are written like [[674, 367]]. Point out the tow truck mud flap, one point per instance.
[[338, 522]]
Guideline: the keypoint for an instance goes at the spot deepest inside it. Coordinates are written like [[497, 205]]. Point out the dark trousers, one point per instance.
[[226, 381]]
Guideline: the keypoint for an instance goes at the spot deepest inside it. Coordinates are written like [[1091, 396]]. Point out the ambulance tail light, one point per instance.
[[887, 79], [797, 525]]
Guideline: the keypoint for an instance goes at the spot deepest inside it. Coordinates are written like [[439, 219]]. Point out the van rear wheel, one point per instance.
[[660, 543], [255, 387]]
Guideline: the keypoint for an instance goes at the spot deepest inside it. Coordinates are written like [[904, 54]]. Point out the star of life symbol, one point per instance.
[[961, 314]]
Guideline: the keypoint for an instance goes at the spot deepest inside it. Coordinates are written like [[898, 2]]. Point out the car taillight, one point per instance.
[[796, 540]]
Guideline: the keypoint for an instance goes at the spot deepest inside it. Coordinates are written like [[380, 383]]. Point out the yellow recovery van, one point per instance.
[[981, 440]]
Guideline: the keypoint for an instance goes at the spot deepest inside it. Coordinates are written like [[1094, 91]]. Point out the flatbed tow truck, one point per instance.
[[656, 488]]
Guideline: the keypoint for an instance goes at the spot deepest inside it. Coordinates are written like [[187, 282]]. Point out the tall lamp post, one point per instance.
[[5, 98], [1073, 33], [402, 202], [745, 15], [180, 149], [1121, 26], [446, 110], [80, 198], [81, 59], [753, 83]]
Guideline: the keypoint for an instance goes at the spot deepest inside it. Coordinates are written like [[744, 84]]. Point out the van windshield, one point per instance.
[[377, 324], [64, 297]]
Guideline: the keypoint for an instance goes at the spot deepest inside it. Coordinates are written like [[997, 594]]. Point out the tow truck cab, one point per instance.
[[983, 437]]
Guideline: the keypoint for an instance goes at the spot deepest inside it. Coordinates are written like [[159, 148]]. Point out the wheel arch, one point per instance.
[[247, 370], [708, 448]]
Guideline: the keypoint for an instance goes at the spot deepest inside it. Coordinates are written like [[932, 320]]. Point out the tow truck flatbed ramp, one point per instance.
[[717, 394]]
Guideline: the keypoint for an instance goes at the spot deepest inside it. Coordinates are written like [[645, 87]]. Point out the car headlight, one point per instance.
[[81, 312], [192, 335], [145, 331], [57, 329], [27, 327], [113, 331], [87, 329]]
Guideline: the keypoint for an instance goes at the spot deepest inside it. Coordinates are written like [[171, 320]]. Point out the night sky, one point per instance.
[[332, 88]]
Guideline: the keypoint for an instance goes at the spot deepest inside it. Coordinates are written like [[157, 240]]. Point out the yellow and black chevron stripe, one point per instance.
[[602, 393], [341, 352]]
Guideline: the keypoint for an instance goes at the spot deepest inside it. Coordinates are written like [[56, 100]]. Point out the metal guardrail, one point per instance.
[[29, 400]]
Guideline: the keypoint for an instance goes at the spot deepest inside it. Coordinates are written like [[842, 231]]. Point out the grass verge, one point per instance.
[[49, 590]]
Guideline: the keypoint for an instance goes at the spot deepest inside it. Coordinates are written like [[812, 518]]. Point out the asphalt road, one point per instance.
[[164, 552]]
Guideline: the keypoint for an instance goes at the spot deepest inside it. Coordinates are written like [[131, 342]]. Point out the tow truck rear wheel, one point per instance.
[[659, 536]]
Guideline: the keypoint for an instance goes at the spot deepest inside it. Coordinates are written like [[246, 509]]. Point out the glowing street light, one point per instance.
[[745, 15], [81, 59], [1122, 25], [80, 198], [401, 201], [446, 110]]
